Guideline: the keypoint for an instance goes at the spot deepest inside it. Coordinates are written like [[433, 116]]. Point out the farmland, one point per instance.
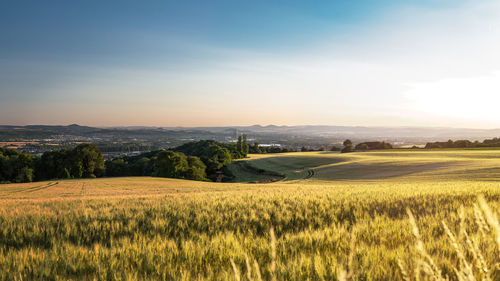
[[404, 165], [333, 216]]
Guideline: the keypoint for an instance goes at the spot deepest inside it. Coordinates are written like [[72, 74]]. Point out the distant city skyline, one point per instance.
[[424, 63]]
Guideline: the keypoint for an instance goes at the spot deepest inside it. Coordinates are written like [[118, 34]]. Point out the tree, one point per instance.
[[371, 145], [256, 148], [347, 146], [54, 164], [363, 147], [90, 158], [77, 170], [25, 174], [213, 154], [215, 157], [170, 164], [244, 146], [232, 148], [449, 144], [463, 143], [117, 168], [85, 160], [16, 166], [347, 142], [141, 167], [239, 145], [196, 169]]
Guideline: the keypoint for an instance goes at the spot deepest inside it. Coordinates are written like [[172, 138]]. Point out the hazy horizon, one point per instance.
[[431, 63], [261, 125]]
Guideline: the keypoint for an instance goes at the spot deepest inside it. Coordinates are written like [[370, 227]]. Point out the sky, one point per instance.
[[235, 62]]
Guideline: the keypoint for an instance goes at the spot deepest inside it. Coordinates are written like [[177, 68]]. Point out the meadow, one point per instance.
[[390, 215]]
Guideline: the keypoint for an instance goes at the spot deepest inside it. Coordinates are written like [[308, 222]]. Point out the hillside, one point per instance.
[[351, 213], [418, 165]]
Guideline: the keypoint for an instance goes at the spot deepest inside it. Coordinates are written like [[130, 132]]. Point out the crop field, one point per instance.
[[386, 165], [389, 215]]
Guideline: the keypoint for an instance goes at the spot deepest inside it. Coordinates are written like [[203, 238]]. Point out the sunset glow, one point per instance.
[[396, 63]]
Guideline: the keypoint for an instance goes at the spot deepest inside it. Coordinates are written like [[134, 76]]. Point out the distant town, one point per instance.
[[129, 141]]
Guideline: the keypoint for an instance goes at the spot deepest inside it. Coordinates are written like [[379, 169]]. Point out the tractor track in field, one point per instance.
[[36, 188], [42, 187], [310, 174], [82, 191], [244, 165], [279, 177]]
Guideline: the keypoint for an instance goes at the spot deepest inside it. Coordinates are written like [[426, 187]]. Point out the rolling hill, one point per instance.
[[327, 213]]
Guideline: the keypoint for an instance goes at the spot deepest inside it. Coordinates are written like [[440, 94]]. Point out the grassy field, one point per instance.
[[333, 217], [419, 165]]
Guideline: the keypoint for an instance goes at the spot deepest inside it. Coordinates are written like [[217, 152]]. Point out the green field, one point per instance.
[[386, 165], [335, 217]]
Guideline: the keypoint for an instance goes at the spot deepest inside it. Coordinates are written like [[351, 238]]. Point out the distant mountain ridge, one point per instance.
[[323, 131], [329, 130]]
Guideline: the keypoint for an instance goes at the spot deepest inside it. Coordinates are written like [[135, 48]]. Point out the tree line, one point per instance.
[[364, 146], [86, 161], [199, 160], [15, 166], [83, 161], [255, 148], [494, 142]]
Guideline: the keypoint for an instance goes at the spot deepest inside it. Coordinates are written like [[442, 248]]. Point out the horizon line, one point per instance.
[[255, 125]]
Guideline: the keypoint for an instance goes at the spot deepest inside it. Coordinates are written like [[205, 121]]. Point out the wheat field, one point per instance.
[[391, 215]]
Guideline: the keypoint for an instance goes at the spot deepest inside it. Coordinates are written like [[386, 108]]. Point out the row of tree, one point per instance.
[[213, 154], [257, 149], [364, 146], [83, 161], [242, 146], [15, 166], [495, 142], [199, 160], [170, 164], [372, 145]]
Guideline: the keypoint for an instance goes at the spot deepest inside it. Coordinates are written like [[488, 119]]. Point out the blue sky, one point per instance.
[[196, 63]]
